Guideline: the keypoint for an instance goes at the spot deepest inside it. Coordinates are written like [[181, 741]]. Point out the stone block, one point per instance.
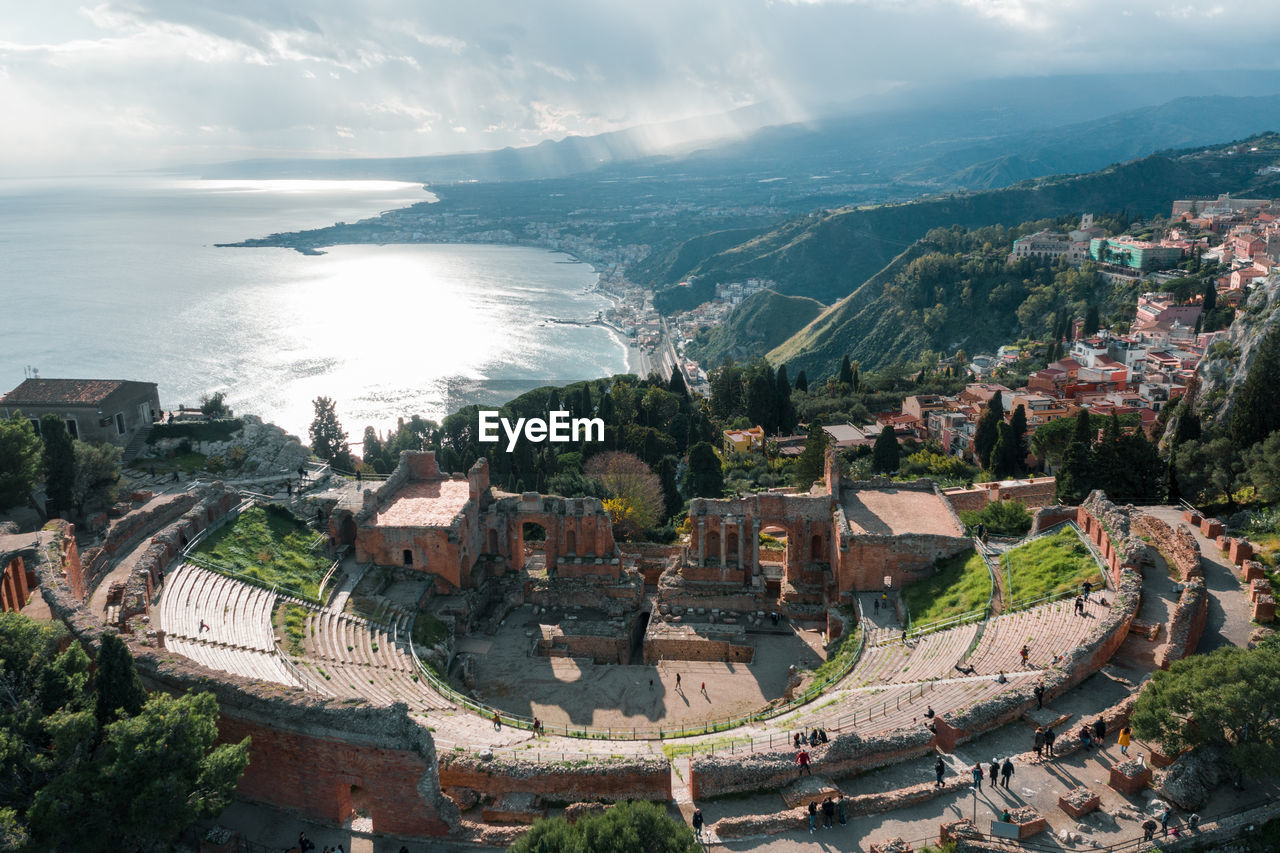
[[1211, 528], [1251, 570], [1264, 609], [1192, 517], [893, 845], [1258, 588], [1078, 802], [1241, 550], [956, 830], [1130, 777], [1159, 760], [1029, 821], [1223, 542]]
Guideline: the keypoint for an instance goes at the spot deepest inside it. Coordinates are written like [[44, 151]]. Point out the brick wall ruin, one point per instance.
[[1034, 493], [637, 778]]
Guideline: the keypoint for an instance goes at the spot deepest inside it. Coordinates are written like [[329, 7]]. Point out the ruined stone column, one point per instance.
[[742, 543], [755, 547], [724, 543], [702, 541]]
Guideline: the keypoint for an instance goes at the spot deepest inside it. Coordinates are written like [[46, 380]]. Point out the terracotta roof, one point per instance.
[[45, 392]]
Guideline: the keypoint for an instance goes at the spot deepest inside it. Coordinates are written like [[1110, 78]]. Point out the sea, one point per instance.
[[118, 277]]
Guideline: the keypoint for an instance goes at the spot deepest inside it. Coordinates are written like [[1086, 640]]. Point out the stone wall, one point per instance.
[[1178, 546], [1035, 493], [907, 558], [1187, 624], [311, 755], [696, 648], [846, 754], [637, 778], [125, 533]]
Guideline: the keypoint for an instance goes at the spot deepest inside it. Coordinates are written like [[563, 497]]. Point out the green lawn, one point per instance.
[[844, 651], [1049, 565], [962, 584], [270, 545]]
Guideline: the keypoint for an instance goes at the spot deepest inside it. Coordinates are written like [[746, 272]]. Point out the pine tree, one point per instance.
[[1257, 410], [802, 382], [328, 439], [886, 454], [59, 463]]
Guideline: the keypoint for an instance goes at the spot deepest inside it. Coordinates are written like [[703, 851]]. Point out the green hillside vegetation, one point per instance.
[[953, 290], [828, 255], [1050, 565], [962, 585], [271, 545], [763, 321]]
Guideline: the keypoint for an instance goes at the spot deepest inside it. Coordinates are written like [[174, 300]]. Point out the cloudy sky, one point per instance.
[[130, 83]]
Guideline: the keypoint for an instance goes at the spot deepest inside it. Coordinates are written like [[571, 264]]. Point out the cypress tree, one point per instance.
[[984, 437], [802, 382], [885, 454], [846, 371], [59, 463], [809, 467], [1018, 428], [676, 385], [116, 682], [786, 409], [1210, 296], [1091, 321]]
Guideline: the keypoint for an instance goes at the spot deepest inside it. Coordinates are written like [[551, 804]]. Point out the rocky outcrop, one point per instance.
[[1225, 367], [265, 448], [1188, 782]]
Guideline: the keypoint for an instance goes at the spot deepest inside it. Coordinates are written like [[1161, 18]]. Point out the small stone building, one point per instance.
[[461, 532], [110, 411]]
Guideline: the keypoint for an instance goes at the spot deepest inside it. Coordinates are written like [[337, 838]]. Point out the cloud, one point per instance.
[[127, 83]]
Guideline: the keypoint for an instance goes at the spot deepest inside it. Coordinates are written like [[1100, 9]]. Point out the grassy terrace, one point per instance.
[[1050, 565], [962, 584], [270, 545]]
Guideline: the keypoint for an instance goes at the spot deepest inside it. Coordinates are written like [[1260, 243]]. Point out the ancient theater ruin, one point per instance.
[[445, 603]]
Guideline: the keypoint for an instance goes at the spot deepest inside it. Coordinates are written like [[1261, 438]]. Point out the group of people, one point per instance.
[[832, 809], [815, 737], [1000, 774], [306, 845], [1089, 735]]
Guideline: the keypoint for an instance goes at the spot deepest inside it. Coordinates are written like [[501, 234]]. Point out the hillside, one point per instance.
[[763, 321], [827, 256], [952, 290]]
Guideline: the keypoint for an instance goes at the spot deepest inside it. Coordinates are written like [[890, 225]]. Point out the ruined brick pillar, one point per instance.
[[742, 543], [724, 543], [755, 548], [702, 541]]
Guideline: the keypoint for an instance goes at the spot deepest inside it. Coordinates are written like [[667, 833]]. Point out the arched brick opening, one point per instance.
[[492, 543], [815, 550], [571, 543]]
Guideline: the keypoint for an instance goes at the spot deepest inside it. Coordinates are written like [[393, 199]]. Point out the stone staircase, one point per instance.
[[135, 445]]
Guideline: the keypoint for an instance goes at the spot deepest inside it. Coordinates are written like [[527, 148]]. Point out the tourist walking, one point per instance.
[[677, 681], [813, 815], [803, 760], [1086, 588], [697, 823], [976, 773], [1099, 731], [1049, 737], [840, 813], [993, 771], [1148, 829], [1039, 694], [1006, 772], [1080, 605], [828, 812], [939, 768], [1123, 740], [1026, 653], [497, 722], [1039, 741]]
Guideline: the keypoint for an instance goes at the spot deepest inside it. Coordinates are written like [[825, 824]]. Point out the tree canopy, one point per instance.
[[630, 827], [328, 439], [1229, 698], [82, 775], [20, 458]]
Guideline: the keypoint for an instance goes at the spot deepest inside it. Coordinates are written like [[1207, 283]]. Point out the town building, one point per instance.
[[743, 440], [111, 411], [1135, 254]]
